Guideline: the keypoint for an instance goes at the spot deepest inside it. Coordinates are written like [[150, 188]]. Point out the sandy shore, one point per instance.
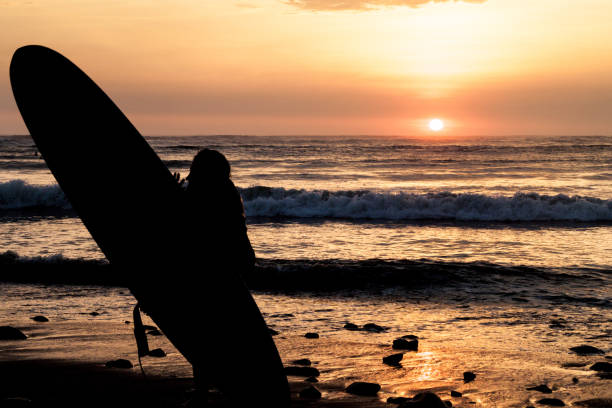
[[62, 362]]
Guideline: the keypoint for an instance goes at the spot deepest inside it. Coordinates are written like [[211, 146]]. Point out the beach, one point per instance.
[[492, 252], [63, 361]]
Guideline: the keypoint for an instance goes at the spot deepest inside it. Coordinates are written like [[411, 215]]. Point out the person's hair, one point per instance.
[[209, 164]]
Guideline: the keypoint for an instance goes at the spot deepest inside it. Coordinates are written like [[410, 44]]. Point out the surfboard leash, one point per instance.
[[142, 344]]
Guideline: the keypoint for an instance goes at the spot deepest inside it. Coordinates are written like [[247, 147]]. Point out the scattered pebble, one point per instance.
[[595, 403], [157, 353], [127, 322], [456, 394], [573, 365], [557, 324], [406, 344], [302, 361], [425, 400], [553, 402], [372, 327], [410, 337], [351, 326], [154, 332], [312, 335], [585, 350], [365, 389], [310, 393], [283, 315], [11, 333], [542, 388], [575, 380], [302, 371], [94, 313], [468, 376], [393, 359], [602, 366], [119, 363], [41, 319]]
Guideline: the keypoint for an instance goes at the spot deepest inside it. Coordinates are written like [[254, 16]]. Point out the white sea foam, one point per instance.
[[279, 202], [17, 194]]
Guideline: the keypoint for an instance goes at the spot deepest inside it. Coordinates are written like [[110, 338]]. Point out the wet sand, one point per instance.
[[62, 363]]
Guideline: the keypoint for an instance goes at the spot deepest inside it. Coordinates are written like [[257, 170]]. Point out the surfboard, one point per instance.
[[131, 205]]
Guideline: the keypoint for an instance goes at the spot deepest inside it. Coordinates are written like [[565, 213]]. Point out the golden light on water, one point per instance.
[[436, 125]]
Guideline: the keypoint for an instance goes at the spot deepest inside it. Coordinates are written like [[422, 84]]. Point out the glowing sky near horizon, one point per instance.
[[331, 67]]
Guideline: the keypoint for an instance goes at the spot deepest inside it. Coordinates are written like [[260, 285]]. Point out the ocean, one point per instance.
[[493, 249]]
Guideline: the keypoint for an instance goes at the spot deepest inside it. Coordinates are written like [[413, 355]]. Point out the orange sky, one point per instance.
[[331, 66]]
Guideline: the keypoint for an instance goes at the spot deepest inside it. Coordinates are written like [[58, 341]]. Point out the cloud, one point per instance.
[[363, 5]]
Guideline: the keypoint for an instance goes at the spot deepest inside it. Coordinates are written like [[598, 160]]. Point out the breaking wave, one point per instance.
[[279, 202], [457, 280]]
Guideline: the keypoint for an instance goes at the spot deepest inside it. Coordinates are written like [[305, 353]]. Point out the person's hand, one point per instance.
[[177, 177]]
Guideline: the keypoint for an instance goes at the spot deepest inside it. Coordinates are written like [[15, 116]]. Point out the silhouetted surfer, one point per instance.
[[218, 245], [216, 220]]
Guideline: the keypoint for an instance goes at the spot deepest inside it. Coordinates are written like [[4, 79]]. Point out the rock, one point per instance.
[[272, 332], [351, 326], [542, 388], [405, 344], [312, 335], [372, 327], [154, 332], [557, 324], [605, 376], [553, 402], [302, 362], [595, 403], [365, 389], [469, 376], [573, 365], [602, 366], [11, 333], [312, 379], [302, 371], [586, 350], [456, 394], [393, 359], [127, 322], [310, 393], [94, 313], [157, 353], [119, 363], [575, 380], [15, 402], [397, 400], [41, 319], [410, 337], [424, 400], [448, 404]]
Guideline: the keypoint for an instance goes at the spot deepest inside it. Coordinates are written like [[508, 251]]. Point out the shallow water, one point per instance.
[[494, 251]]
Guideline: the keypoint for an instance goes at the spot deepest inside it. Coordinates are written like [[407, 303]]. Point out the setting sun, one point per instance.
[[436, 125]]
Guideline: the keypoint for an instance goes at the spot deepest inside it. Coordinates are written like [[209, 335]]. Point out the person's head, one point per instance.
[[209, 165]]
